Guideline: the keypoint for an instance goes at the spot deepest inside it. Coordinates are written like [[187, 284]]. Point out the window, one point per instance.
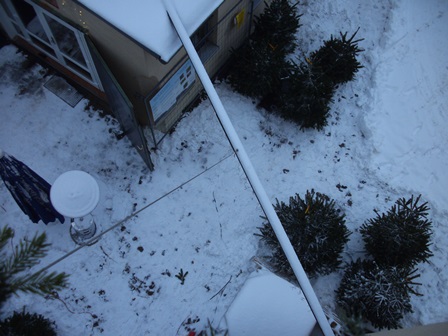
[[205, 39], [55, 37]]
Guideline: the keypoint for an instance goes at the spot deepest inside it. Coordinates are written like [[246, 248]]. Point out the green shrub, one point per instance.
[[380, 295], [306, 97], [337, 58], [256, 69], [401, 237], [316, 230], [25, 324], [258, 66], [353, 325], [277, 26], [300, 92], [310, 85]]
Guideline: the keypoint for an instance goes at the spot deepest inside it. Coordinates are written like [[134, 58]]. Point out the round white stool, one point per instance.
[[75, 194]]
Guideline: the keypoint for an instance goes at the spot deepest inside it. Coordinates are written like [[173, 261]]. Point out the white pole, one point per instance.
[[250, 171]]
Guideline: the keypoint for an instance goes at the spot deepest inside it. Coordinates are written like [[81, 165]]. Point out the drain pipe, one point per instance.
[[249, 170]]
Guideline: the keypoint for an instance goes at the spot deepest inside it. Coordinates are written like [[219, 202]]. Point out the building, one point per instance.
[[127, 54]]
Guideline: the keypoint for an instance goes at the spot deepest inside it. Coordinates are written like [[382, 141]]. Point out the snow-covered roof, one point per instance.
[[147, 22]]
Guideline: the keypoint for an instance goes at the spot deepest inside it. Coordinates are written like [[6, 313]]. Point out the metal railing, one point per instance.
[[249, 170]]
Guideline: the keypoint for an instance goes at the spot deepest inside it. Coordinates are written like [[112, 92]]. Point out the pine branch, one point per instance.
[[27, 255], [39, 283], [5, 235]]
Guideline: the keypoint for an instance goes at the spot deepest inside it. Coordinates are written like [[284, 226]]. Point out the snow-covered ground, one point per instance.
[[196, 212]]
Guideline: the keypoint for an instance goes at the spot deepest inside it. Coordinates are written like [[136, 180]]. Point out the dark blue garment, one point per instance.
[[31, 192]]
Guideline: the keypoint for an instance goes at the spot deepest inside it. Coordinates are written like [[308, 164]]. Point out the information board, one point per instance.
[[170, 92]]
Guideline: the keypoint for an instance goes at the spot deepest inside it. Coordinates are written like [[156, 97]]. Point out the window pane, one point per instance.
[[30, 20], [80, 71], [42, 46], [66, 40]]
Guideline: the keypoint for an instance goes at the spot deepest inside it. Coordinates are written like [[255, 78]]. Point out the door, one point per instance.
[[69, 46], [121, 106], [72, 48], [56, 38]]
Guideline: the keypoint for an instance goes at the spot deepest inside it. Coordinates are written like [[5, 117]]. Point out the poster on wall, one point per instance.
[[170, 92]]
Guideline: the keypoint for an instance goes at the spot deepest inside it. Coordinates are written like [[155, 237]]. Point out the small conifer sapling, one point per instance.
[[337, 58], [277, 26], [380, 295], [316, 230], [258, 66], [306, 97], [401, 237], [24, 323]]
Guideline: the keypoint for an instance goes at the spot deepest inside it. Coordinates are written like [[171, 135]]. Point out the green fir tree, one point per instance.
[[277, 26], [259, 65], [316, 230], [401, 237], [26, 324], [306, 97], [337, 58], [380, 295], [300, 92], [256, 70]]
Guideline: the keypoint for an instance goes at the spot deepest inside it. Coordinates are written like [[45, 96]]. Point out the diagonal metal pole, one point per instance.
[[249, 170]]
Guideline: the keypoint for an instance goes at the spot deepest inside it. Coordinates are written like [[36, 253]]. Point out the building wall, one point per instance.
[[136, 69], [140, 73], [229, 36], [437, 329]]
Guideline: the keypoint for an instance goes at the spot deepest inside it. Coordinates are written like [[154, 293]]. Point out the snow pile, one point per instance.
[[408, 125], [269, 298]]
